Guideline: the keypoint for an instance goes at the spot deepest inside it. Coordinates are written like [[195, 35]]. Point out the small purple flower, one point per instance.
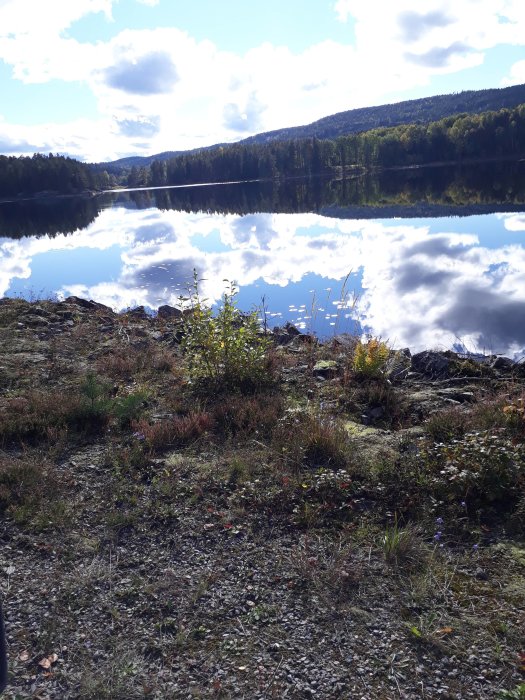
[[463, 504], [139, 436], [475, 547], [437, 536], [439, 521]]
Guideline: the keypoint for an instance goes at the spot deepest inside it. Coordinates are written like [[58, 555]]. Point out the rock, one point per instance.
[[345, 340], [139, 312], [285, 334], [167, 312], [291, 329], [85, 304], [503, 363], [324, 368], [432, 364], [398, 365], [457, 395], [34, 320]]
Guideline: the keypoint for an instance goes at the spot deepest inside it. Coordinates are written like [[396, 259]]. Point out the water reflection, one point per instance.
[[420, 282]]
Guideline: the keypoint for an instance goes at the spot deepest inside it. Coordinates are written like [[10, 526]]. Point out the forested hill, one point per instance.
[[462, 138], [424, 110]]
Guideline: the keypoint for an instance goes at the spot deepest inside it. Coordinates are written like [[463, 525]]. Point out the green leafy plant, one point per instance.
[[483, 467], [517, 693], [369, 358], [129, 408], [228, 349]]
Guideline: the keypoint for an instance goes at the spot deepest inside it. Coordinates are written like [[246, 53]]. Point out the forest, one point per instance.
[[490, 135], [496, 135], [26, 176]]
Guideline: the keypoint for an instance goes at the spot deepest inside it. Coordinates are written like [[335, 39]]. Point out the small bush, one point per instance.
[[514, 412], [226, 350], [304, 438], [26, 487], [247, 415], [175, 432], [126, 409], [444, 426], [370, 358], [484, 469], [403, 545], [92, 413]]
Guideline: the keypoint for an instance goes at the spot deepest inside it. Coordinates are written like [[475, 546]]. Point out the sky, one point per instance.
[[105, 79]]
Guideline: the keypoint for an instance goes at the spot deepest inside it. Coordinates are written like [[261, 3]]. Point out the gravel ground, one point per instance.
[[173, 583]]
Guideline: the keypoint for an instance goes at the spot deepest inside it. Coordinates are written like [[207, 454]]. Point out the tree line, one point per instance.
[[48, 173], [490, 135]]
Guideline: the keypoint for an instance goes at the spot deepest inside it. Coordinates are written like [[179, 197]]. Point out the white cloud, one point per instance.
[[516, 74], [198, 94]]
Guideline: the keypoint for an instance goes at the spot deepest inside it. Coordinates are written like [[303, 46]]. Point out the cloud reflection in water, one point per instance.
[[418, 288]]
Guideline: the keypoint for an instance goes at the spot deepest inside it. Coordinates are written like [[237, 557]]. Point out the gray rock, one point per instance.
[[86, 304], [432, 364], [504, 363], [139, 312], [167, 312]]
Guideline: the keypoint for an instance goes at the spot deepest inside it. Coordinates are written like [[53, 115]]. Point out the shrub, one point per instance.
[[444, 426], [304, 438], [243, 415], [369, 358], [26, 487], [175, 432], [483, 469], [226, 350]]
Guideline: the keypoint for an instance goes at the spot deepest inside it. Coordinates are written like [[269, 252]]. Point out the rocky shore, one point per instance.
[[333, 532]]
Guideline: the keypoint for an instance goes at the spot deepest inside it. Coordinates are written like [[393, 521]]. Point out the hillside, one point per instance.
[[426, 109], [422, 110]]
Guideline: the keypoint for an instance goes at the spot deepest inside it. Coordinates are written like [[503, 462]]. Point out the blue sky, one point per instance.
[[102, 79]]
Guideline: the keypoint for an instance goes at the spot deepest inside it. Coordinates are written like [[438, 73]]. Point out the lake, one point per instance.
[[423, 259]]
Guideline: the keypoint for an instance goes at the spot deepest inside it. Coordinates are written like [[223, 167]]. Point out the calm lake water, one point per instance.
[[423, 260]]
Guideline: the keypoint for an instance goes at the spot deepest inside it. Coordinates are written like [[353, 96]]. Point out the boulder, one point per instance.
[[432, 364], [139, 313], [86, 304], [170, 313]]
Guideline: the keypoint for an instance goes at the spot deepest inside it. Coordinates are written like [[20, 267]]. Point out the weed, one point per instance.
[[312, 439], [227, 350], [444, 426], [327, 567], [484, 469], [370, 358], [238, 415], [27, 487], [175, 432], [517, 693], [403, 545]]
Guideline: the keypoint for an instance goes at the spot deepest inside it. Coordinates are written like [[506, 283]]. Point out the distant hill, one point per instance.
[[116, 166], [423, 110]]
